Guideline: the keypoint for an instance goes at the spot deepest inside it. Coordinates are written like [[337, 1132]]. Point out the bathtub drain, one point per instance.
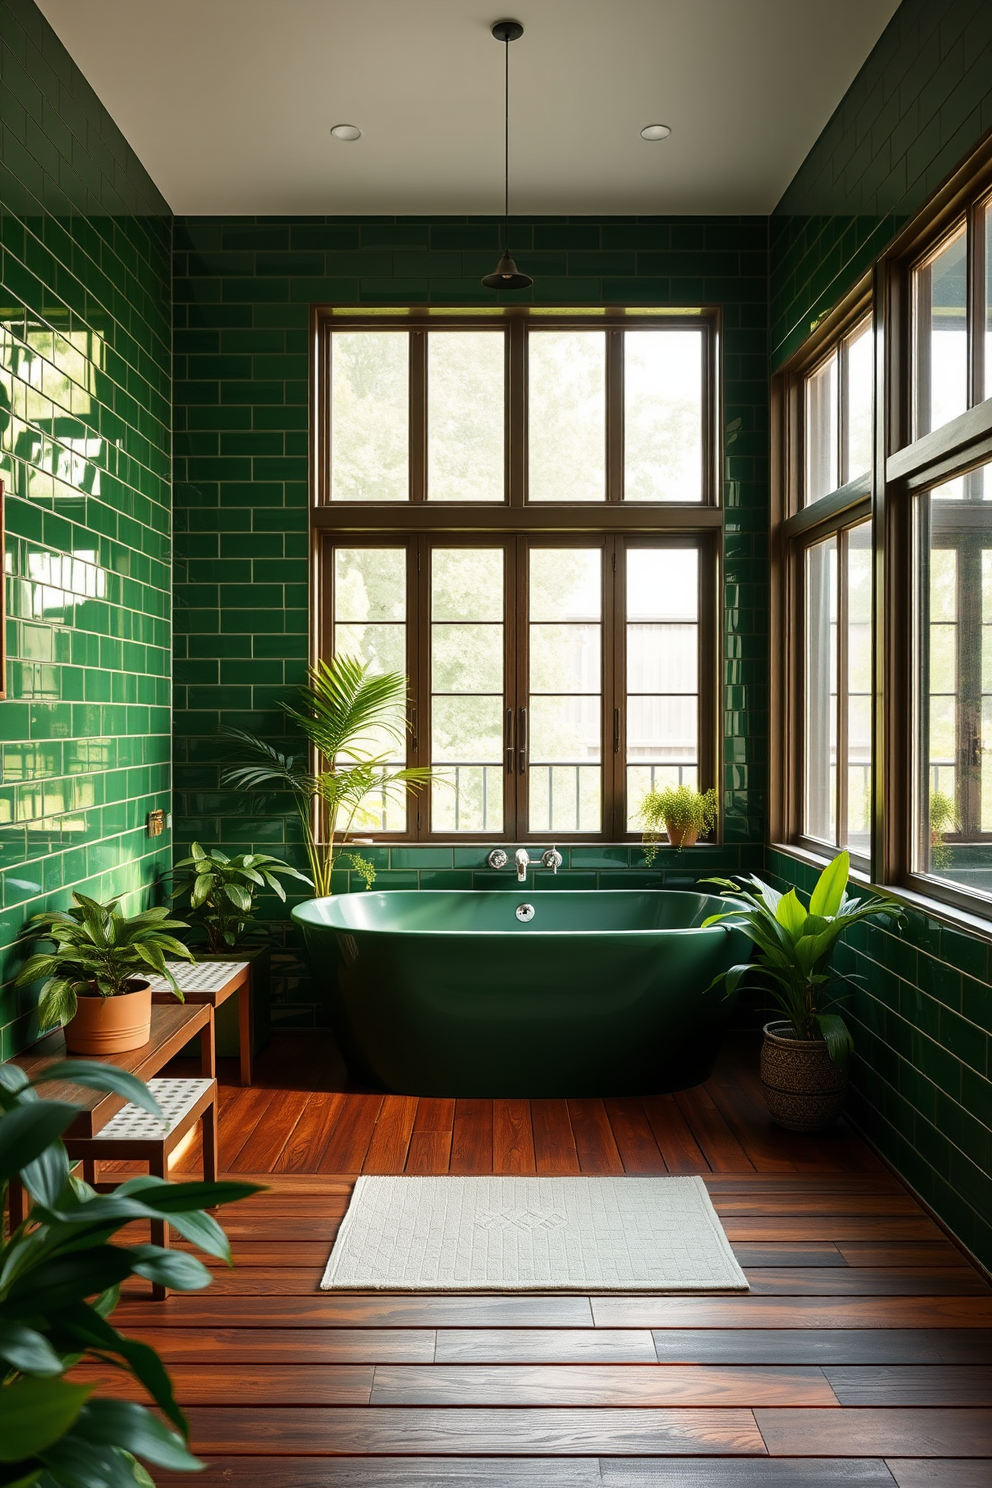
[[525, 912]]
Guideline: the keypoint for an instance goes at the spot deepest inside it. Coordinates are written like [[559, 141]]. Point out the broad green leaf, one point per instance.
[[790, 914], [121, 1423], [47, 1177], [837, 1037], [171, 1268], [27, 1130], [829, 892], [36, 1412], [82, 1327], [101, 1077], [27, 1350], [74, 1462], [64, 1280]]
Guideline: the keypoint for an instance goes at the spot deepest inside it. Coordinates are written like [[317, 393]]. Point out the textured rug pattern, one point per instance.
[[532, 1234]]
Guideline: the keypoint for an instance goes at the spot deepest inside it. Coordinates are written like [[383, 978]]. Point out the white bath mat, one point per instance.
[[532, 1234]]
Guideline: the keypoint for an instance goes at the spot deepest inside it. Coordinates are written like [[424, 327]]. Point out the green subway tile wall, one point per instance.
[[923, 1015], [243, 291], [85, 417], [920, 103]]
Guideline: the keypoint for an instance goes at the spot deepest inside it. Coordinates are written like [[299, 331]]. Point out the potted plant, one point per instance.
[[353, 722], [59, 1283], [943, 818], [221, 893], [97, 986], [684, 812], [805, 1052]]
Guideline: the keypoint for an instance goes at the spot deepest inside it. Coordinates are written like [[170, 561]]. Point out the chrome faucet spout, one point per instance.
[[522, 859]]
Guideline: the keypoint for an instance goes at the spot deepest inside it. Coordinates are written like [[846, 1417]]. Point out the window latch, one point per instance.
[[508, 740]]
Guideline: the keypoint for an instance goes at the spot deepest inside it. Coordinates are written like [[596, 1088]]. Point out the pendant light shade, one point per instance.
[[506, 274]]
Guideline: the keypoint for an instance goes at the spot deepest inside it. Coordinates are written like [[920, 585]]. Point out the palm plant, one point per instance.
[[222, 891], [346, 714], [97, 949], [60, 1278], [796, 944]]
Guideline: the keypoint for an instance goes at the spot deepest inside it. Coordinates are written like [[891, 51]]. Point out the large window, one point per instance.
[[825, 671], [882, 612], [519, 512]]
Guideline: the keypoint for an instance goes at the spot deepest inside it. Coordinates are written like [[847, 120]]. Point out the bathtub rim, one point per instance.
[[521, 929]]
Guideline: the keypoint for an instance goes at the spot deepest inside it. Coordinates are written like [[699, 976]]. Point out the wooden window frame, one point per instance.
[[903, 467], [797, 526], [516, 522]]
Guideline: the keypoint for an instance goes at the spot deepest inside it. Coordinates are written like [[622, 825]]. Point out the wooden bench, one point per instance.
[[211, 983]]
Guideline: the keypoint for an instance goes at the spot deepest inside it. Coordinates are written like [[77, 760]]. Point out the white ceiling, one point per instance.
[[229, 102]]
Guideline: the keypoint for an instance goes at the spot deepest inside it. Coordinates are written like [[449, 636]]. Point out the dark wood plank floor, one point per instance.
[[861, 1357]]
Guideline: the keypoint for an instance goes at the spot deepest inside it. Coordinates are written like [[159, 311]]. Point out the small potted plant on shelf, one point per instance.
[[685, 814], [805, 1052], [97, 985], [221, 900]]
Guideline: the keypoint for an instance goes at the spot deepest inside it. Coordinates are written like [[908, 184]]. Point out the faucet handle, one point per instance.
[[497, 858], [551, 859]]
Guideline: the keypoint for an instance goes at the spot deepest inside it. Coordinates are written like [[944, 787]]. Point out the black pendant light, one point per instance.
[[507, 275]]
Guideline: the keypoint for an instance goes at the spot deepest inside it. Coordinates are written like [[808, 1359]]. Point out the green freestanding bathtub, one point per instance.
[[527, 993]]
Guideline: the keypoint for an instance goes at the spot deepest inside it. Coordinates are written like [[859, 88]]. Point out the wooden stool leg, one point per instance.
[[15, 1203], [157, 1167], [209, 1125], [89, 1171], [208, 1049], [245, 1031]]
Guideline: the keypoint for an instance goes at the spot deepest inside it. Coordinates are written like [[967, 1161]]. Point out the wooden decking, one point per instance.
[[862, 1355]]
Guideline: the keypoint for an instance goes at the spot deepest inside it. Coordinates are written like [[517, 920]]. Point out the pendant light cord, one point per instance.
[[506, 144]]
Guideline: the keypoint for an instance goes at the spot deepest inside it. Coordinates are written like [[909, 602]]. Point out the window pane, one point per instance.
[[821, 430], [954, 603], [859, 688], [370, 417], [663, 415], [564, 702], [465, 415], [941, 335], [467, 648], [662, 641], [821, 691], [370, 624], [566, 583], [857, 415], [567, 415]]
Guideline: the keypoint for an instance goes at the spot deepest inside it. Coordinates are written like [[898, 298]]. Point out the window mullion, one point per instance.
[[842, 689], [977, 307], [418, 416], [516, 413], [418, 654], [614, 415], [614, 796]]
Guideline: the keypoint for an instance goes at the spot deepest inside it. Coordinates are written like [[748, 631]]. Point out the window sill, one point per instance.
[[934, 909]]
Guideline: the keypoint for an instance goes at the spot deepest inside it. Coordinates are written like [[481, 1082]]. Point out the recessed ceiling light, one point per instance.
[[654, 132], [345, 132]]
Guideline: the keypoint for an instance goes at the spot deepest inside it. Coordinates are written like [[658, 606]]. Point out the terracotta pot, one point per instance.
[[804, 1089], [681, 836], [111, 1025]]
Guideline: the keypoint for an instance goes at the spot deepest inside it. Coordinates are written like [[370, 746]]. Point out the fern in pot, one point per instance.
[[805, 1051], [685, 814], [97, 973]]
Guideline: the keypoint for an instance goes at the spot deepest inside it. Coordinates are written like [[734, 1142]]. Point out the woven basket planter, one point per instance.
[[804, 1089]]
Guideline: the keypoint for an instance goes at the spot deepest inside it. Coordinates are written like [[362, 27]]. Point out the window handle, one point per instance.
[[523, 741], [616, 730], [508, 740], [414, 732]]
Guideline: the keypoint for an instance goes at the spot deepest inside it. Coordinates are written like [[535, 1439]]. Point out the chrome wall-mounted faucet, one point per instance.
[[550, 858]]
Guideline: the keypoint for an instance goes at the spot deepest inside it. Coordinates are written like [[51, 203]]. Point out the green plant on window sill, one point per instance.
[[60, 1279], [222, 892], [943, 818], [341, 713], [683, 812], [796, 945], [98, 951]]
